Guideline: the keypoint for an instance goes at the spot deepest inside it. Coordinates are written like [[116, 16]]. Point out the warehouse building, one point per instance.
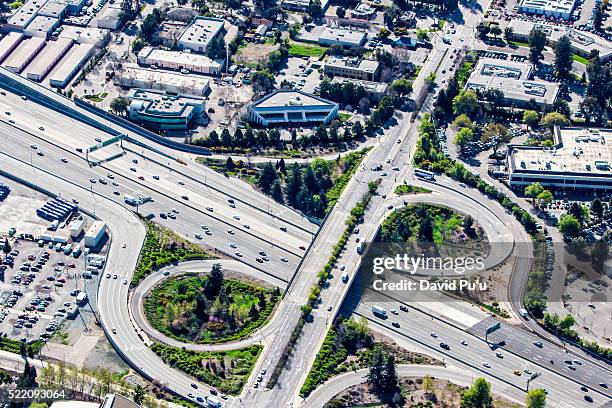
[[176, 60], [580, 159], [109, 19], [24, 54], [164, 110], [355, 68], [198, 36], [94, 234], [47, 58], [135, 77], [512, 79], [342, 37], [374, 90], [169, 33], [549, 8], [24, 16], [292, 108], [54, 8], [8, 43], [41, 26], [86, 35], [70, 65], [583, 43]]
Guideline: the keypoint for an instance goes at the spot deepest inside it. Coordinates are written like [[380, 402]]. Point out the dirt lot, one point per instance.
[[253, 53]]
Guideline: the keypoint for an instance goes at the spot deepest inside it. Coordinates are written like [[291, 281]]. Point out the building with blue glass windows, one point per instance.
[[292, 108]]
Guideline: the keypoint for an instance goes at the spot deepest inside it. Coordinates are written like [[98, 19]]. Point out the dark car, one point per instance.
[[445, 346]]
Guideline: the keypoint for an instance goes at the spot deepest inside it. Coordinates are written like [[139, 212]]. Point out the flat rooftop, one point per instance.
[[364, 65], [18, 58], [87, 35], [370, 86], [342, 35], [552, 6], [160, 103], [42, 24], [8, 43], [587, 151], [164, 79], [201, 31], [296, 99], [53, 8], [48, 56], [26, 13], [68, 64], [511, 78], [177, 57]]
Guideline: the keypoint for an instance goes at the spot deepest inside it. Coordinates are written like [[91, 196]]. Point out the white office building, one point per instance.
[[195, 63], [94, 234], [292, 108], [340, 36], [162, 110], [135, 77], [549, 8], [581, 159], [198, 36]]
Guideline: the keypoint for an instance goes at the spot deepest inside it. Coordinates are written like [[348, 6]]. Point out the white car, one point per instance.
[[284, 259], [434, 334], [236, 217], [485, 364]]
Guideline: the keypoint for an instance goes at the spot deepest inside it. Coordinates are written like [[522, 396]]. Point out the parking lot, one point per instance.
[[302, 74]]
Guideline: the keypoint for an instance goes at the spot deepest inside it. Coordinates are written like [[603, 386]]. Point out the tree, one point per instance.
[[463, 137], [535, 398], [422, 35], [465, 103], [428, 385], [226, 138], [531, 118], [128, 11], [358, 130], [463, 121], [426, 230], [597, 209], [150, 24], [119, 105], [478, 395], [376, 373], [390, 375], [214, 281], [508, 31], [593, 111], [597, 18], [468, 226], [216, 49], [569, 226], [496, 133], [533, 190], [563, 56], [139, 394], [401, 86], [537, 41], [137, 45], [314, 9], [267, 177], [341, 12], [553, 119], [545, 197], [495, 30], [229, 164], [277, 191]]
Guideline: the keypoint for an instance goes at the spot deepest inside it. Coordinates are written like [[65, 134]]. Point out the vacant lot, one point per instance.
[[297, 49], [253, 53]]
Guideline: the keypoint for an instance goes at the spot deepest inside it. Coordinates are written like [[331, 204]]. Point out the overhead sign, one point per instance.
[[105, 143], [491, 329]]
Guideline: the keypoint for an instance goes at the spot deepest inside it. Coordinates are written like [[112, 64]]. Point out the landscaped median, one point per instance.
[[313, 299], [227, 371]]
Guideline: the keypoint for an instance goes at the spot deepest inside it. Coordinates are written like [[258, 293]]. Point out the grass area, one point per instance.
[[226, 371], [16, 4], [349, 163], [496, 309], [163, 247], [464, 71], [184, 308], [99, 97], [580, 59], [518, 44], [297, 49], [61, 337], [404, 189], [14, 346], [344, 117]]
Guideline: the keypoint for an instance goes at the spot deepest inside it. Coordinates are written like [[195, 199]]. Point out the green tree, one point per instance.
[[465, 103], [216, 49], [267, 177], [463, 121], [597, 209], [401, 86], [535, 398], [119, 105], [214, 281], [495, 30], [569, 226], [376, 373], [277, 191], [426, 230], [293, 184], [537, 41], [545, 197], [229, 164], [422, 34], [597, 18], [531, 118], [478, 395], [314, 9], [137, 45], [139, 394], [563, 56], [150, 24], [463, 137], [553, 119], [390, 379], [533, 190]]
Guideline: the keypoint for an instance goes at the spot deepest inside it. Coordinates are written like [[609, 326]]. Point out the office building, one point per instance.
[[47, 58], [198, 36], [301, 5], [54, 8], [355, 68], [110, 19], [342, 37], [583, 43], [163, 110], [374, 90], [512, 79], [176, 60], [292, 108], [580, 159], [68, 67], [549, 8], [135, 77]]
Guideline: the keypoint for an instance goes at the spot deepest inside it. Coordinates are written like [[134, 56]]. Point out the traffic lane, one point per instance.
[[419, 327], [522, 344]]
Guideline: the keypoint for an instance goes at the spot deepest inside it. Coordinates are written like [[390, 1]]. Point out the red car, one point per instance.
[[140, 178], [71, 265]]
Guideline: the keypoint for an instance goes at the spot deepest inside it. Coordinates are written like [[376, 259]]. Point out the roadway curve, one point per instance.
[[456, 375], [142, 323]]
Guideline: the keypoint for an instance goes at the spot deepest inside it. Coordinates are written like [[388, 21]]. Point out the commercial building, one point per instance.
[[356, 68], [76, 228], [94, 234], [109, 19], [301, 5], [54, 8], [24, 16], [406, 42], [195, 63], [363, 11], [86, 35], [198, 36], [292, 108], [512, 79], [342, 37], [47, 58], [23, 54], [374, 90], [41, 26], [549, 8], [583, 43], [169, 33], [163, 110], [70, 65], [8, 43], [580, 159], [135, 77]]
